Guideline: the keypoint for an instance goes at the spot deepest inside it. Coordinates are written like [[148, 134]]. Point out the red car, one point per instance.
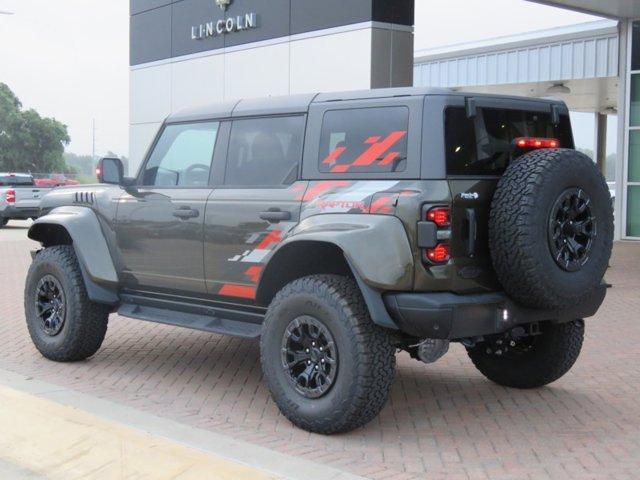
[[55, 180]]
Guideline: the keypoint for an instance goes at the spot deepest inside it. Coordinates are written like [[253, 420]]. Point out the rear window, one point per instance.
[[365, 140], [12, 181], [482, 145]]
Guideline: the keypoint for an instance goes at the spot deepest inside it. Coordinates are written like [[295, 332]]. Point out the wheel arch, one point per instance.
[[303, 256], [80, 228]]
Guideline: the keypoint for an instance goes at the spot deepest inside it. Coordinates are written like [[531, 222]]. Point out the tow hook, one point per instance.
[[431, 349]]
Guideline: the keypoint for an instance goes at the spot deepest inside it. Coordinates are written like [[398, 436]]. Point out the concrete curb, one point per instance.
[[224, 446]]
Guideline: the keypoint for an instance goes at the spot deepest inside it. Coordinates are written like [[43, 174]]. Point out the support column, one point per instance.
[[623, 121], [600, 153]]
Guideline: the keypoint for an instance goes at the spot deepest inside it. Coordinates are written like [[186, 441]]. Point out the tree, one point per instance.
[[28, 142]]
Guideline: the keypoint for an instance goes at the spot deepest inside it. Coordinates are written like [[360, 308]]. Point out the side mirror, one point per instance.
[[110, 170]]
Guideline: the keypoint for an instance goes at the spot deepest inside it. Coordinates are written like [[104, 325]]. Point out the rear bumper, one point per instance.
[[450, 316], [20, 213]]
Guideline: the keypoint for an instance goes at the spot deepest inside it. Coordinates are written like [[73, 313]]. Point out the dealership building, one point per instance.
[[194, 52]]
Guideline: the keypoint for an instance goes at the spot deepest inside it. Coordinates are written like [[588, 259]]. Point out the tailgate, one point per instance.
[[29, 197], [470, 232]]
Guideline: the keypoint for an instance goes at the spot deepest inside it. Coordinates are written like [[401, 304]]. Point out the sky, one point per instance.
[[69, 59]]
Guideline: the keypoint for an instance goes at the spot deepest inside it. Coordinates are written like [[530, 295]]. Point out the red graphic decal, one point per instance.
[[374, 152], [333, 156], [340, 168], [298, 187], [319, 188], [371, 140], [254, 273], [240, 291], [383, 204], [275, 236], [345, 204], [389, 158]]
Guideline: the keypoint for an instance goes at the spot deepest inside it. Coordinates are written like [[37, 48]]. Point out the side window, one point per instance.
[[265, 151], [365, 140], [182, 156]]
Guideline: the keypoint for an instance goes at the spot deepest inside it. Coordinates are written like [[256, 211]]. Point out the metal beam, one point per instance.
[[600, 152]]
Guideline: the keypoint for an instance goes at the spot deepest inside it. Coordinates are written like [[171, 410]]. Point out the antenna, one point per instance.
[[93, 141]]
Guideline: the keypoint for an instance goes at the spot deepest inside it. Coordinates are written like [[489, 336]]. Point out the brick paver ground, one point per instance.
[[442, 421]]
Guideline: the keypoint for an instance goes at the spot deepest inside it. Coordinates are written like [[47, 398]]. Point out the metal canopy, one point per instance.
[[605, 8], [577, 63]]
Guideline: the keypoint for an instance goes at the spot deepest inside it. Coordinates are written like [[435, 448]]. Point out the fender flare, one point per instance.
[[89, 243], [375, 247]]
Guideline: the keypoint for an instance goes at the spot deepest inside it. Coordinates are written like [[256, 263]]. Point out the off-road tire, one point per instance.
[[3, 221], [519, 228], [366, 357], [85, 323], [551, 356]]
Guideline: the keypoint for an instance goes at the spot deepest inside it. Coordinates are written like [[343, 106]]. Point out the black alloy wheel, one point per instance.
[[572, 229], [50, 305], [309, 356]]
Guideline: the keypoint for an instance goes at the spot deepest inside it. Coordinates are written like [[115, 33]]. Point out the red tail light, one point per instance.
[[441, 216], [10, 196], [440, 254], [535, 142]]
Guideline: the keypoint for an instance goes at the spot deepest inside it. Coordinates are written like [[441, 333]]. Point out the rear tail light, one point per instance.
[[439, 254], [10, 196], [535, 142], [441, 216]]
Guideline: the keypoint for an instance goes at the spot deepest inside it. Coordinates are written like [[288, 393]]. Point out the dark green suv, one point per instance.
[[339, 228]]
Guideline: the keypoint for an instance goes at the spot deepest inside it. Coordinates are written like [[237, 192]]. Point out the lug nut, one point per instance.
[[512, 343], [320, 348], [489, 351], [307, 350], [316, 367], [322, 361], [308, 362], [313, 344], [498, 352]]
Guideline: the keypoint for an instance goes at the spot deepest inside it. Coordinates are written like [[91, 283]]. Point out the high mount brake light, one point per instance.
[[10, 196], [536, 142], [441, 216]]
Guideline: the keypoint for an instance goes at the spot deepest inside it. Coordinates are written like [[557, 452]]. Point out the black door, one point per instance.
[[159, 224], [255, 208]]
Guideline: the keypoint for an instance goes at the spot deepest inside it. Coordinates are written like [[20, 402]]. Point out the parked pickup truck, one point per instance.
[[19, 197]]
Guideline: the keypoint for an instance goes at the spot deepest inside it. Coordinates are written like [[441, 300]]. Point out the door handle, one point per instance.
[[473, 231], [275, 216], [185, 213]]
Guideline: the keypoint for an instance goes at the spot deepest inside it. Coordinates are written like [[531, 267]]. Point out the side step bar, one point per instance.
[[212, 321]]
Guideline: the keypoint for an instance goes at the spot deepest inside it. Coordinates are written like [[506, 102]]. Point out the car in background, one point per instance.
[[19, 197], [55, 180]]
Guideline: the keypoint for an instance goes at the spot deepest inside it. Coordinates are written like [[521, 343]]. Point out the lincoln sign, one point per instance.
[[223, 27]]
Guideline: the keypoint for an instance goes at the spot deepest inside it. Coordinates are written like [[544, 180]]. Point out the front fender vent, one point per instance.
[[84, 198]]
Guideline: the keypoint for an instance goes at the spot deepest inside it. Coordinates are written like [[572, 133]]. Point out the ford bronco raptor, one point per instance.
[[339, 229]]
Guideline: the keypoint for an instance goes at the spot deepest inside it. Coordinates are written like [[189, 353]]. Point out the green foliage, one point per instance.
[[84, 164], [610, 163], [28, 142]]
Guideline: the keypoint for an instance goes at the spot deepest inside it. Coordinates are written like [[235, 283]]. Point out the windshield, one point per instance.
[[483, 144]]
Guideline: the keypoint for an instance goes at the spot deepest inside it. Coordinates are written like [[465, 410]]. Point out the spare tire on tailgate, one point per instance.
[[551, 228]]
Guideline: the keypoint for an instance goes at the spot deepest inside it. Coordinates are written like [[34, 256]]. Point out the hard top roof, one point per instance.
[[292, 104]]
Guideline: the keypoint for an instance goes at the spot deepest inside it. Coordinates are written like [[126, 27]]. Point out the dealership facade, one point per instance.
[[194, 52]]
